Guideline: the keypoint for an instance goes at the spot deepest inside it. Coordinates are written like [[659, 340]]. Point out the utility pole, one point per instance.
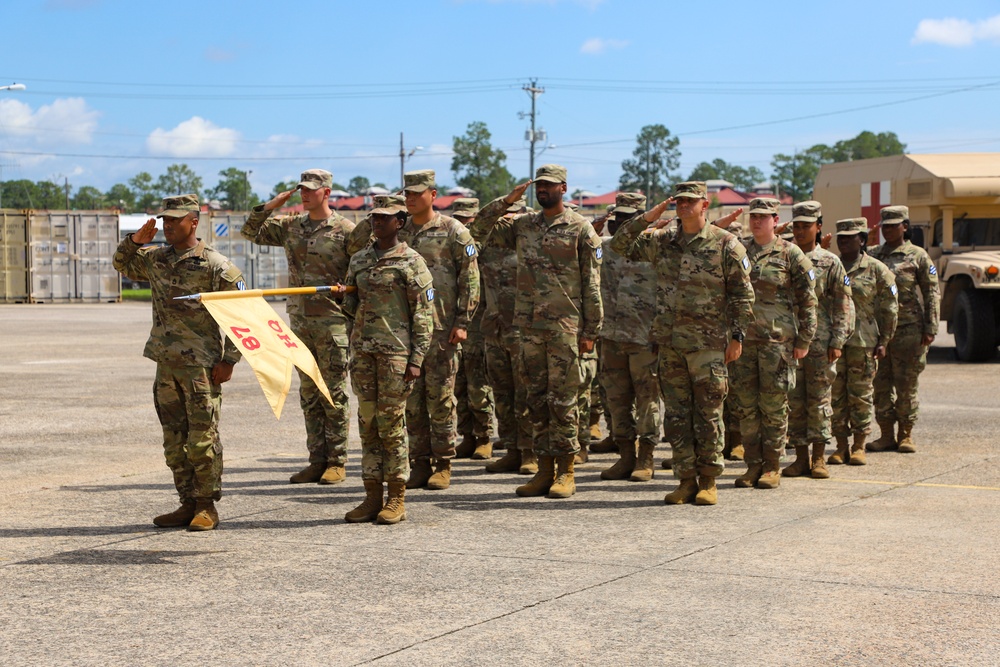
[[66, 184], [532, 136], [402, 159]]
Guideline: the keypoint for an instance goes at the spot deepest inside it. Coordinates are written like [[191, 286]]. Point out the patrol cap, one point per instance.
[[807, 211], [419, 181], [629, 202], [764, 206], [388, 204], [517, 206], [314, 179], [852, 226], [894, 215], [553, 173], [691, 190], [467, 207], [178, 206]]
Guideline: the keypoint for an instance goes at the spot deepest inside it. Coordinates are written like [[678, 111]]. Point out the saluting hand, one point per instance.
[[280, 199], [653, 214], [145, 233], [516, 193], [729, 219]]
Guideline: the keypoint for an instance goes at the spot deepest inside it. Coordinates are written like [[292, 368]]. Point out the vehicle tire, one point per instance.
[[974, 325]]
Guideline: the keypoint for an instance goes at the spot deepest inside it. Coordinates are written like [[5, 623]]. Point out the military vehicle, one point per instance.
[[954, 202]]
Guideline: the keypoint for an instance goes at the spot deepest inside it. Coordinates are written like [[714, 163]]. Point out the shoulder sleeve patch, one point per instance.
[[933, 270], [599, 252], [847, 280], [892, 288], [812, 275], [470, 250], [430, 293], [745, 262]]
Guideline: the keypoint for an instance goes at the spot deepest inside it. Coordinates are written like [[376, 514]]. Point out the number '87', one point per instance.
[[251, 343]]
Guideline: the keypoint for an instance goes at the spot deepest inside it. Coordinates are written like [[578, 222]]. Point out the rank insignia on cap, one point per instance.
[[430, 293], [812, 275], [933, 270], [470, 250], [598, 253], [746, 263]]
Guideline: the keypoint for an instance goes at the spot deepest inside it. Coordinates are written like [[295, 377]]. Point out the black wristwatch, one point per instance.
[[738, 337]]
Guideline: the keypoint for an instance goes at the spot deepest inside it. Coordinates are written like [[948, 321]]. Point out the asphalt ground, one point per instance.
[[894, 563]]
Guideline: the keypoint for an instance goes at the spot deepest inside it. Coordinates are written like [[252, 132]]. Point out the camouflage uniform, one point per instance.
[[919, 309], [810, 409], [473, 394], [628, 358], [185, 342], [557, 302], [393, 316], [703, 294], [785, 319], [503, 349], [873, 290], [318, 254]]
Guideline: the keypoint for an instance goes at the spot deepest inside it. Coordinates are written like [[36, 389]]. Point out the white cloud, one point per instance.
[[64, 121], [597, 45], [957, 32], [195, 136]]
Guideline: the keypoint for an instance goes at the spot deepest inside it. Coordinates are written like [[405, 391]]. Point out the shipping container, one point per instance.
[[59, 256]]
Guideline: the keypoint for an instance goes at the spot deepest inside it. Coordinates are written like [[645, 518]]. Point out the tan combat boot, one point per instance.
[[684, 493], [205, 516], [750, 477], [643, 471], [311, 474], [887, 439], [466, 447], [370, 506], [800, 466], [604, 446], [484, 449], [858, 457], [581, 456], [668, 462], [818, 470], [708, 492], [625, 464], [441, 479], [540, 484], [179, 518], [840, 456], [595, 431], [736, 451], [509, 462], [771, 477], [906, 445], [420, 472], [529, 462], [334, 474], [394, 510], [564, 485]]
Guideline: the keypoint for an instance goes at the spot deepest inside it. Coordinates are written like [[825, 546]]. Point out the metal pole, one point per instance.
[[402, 159], [534, 91], [66, 182]]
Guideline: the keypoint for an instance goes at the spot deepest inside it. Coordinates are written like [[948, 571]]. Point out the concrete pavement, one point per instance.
[[891, 563]]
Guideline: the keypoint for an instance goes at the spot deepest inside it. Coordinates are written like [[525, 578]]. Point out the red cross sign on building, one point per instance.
[[874, 197]]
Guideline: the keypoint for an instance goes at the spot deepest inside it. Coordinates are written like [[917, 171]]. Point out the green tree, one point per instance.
[[795, 174], [233, 190], [20, 194], [867, 145], [88, 198], [121, 195], [358, 185], [478, 166], [742, 178], [179, 179], [50, 195], [651, 167], [144, 190]]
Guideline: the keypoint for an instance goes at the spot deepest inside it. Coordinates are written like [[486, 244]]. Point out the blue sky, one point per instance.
[[114, 87]]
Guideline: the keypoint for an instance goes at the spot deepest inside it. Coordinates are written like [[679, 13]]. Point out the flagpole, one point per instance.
[[241, 294]]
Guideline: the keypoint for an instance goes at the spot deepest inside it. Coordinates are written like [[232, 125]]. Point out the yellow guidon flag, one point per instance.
[[265, 340]]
